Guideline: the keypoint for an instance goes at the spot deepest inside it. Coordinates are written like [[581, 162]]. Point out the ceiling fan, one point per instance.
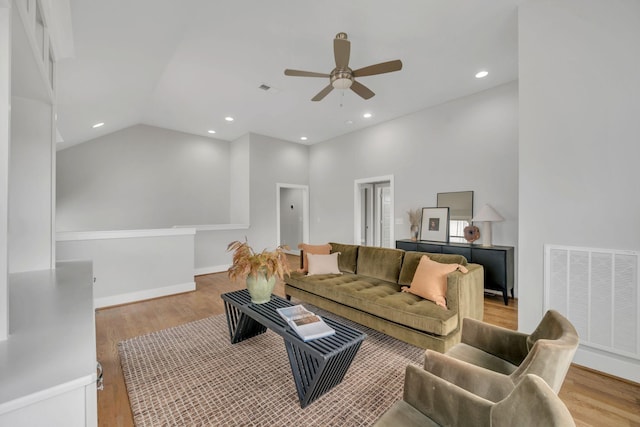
[[343, 77]]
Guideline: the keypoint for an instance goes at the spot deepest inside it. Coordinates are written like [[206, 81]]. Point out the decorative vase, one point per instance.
[[260, 287], [471, 233], [414, 232]]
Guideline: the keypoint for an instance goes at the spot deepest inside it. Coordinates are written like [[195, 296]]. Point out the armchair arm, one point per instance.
[[443, 402], [501, 342], [484, 383]]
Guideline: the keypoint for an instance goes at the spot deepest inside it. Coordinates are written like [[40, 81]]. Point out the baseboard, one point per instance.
[[211, 269], [143, 295]]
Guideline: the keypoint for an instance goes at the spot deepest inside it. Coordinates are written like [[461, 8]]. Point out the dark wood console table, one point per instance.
[[496, 260]]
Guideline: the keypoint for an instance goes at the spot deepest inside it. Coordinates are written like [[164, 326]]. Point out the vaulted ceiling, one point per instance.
[[188, 64]]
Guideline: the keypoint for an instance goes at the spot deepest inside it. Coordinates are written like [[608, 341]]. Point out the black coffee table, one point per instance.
[[317, 365]]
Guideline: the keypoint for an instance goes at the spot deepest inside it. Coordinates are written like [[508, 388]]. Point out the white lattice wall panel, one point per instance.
[[598, 291]]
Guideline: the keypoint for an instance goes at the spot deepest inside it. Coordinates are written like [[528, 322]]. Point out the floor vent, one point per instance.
[[598, 291]]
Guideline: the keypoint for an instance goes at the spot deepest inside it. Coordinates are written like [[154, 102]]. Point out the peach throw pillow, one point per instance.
[[323, 264], [312, 249], [430, 280]]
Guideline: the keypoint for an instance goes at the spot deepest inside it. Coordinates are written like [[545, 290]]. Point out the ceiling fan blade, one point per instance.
[[381, 68], [324, 92], [362, 90], [341, 51], [298, 73]]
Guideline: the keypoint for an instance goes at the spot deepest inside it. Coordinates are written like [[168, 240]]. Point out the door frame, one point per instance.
[[378, 212], [357, 207], [305, 212]]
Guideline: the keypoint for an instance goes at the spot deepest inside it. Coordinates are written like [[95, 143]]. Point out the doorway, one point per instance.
[[374, 212], [292, 215]]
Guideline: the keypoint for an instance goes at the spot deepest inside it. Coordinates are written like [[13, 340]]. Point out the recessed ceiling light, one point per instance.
[[348, 122], [97, 125], [211, 131], [367, 115], [303, 138], [229, 118], [482, 74]]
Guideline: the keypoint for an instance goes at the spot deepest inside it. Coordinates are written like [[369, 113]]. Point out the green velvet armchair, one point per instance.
[[429, 400], [490, 361]]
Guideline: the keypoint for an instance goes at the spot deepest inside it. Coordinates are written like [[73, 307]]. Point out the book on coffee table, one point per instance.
[[307, 325]]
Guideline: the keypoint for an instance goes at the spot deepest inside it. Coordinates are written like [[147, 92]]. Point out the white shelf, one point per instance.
[[66, 236], [214, 227]]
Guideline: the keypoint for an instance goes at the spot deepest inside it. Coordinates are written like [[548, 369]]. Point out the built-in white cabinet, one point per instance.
[[48, 363], [47, 318]]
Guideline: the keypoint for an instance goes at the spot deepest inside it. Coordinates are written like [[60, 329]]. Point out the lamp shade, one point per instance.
[[488, 214]]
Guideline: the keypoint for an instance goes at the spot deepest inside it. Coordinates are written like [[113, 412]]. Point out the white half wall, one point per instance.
[[143, 177], [579, 108], [133, 265], [211, 254]]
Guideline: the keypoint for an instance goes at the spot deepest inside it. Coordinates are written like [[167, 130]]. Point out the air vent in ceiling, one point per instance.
[[270, 89]]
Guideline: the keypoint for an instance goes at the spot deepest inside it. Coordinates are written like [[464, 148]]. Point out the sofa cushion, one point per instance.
[[380, 263], [347, 261], [379, 298], [412, 259], [312, 249], [430, 280], [323, 264]]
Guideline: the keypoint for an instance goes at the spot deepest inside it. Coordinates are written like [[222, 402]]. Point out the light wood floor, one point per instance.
[[592, 398]]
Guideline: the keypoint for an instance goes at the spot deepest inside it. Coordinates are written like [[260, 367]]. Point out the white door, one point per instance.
[[374, 212], [382, 214], [367, 203]]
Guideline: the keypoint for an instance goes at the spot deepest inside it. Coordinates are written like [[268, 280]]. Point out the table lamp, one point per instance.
[[486, 216]]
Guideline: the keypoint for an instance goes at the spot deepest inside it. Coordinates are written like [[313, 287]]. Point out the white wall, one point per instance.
[[273, 161], [239, 160], [30, 186], [243, 186], [5, 119], [579, 127], [143, 177], [270, 161], [467, 144]]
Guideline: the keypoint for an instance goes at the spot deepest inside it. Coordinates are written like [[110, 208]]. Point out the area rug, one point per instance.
[[191, 375]]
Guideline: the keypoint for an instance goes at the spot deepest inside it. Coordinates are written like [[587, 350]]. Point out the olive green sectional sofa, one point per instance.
[[369, 292]]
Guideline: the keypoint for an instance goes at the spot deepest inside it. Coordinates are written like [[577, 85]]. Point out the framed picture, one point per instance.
[[435, 224]]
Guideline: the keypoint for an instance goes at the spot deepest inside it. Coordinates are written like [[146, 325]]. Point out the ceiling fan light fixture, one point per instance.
[[343, 83]]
